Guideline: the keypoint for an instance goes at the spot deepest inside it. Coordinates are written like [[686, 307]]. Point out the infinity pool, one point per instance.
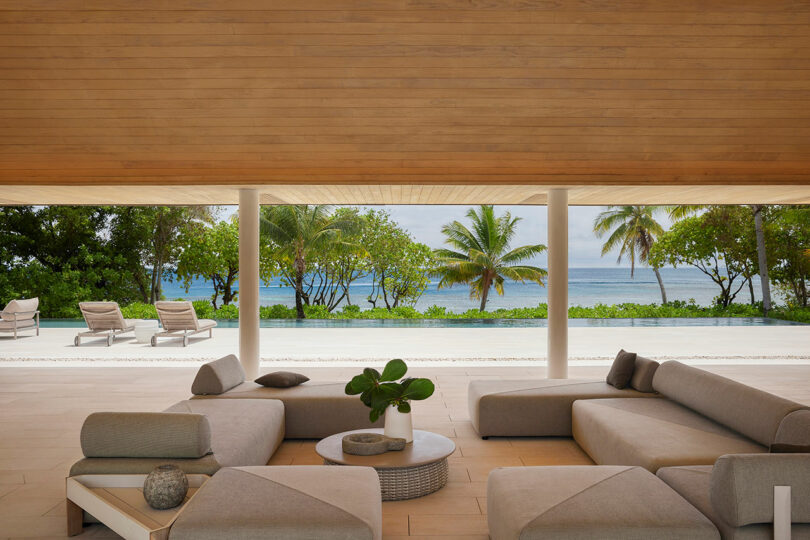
[[476, 323]]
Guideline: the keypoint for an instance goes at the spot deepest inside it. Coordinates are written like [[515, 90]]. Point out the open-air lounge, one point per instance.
[[403, 102]]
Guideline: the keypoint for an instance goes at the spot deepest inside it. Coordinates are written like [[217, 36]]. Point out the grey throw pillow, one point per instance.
[[281, 379], [643, 374], [622, 369]]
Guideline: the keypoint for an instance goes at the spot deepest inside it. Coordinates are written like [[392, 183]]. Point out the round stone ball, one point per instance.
[[165, 487]]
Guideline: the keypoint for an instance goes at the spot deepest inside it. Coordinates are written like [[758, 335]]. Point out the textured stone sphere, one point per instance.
[[165, 487]]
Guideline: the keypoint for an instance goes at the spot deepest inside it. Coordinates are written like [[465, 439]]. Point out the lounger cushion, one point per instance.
[[23, 323], [281, 379], [303, 502], [312, 410], [754, 413], [622, 369], [742, 487], [693, 484], [145, 435], [652, 433], [533, 408], [242, 433], [218, 376], [25, 308], [643, 373], [627, 503]]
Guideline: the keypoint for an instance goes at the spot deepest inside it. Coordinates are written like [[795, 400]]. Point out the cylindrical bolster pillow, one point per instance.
[[146, 435], [742, 486], [218, 376]]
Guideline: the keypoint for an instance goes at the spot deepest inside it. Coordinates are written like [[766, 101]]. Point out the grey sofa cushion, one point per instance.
[[643, 374], [652, 433], [146, 435], [205, 465], [622, 369], [794, 429], [218, 376], [242, 432], [304, 502], [311, 411], [754, 413], [742, 487], [533, 408], [621, 503], [281, 379]]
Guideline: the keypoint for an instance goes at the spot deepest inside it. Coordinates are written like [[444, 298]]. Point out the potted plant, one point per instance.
[[383, 394]]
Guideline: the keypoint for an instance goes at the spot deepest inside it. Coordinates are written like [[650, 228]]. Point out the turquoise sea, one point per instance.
[[586, 287]]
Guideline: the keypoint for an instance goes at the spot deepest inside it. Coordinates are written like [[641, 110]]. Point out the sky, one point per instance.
[[424, 222]]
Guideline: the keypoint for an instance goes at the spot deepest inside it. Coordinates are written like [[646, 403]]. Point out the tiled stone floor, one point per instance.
[[42, 409]]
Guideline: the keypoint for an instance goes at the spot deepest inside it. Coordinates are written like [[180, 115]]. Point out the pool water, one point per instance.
[[477, 323]]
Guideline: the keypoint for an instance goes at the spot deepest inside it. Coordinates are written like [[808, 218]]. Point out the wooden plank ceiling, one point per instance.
[[404, 100]]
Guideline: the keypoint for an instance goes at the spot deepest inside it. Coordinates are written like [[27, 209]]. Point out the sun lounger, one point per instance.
[[104, 319], [20, 315], [179, 319]]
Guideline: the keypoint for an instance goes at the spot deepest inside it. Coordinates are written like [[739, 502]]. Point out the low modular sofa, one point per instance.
[[699, 460], [691, 416], [232, 436]]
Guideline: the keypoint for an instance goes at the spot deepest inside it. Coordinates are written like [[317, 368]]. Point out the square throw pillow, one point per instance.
[[281, 379], [643, 374], [622, 369]]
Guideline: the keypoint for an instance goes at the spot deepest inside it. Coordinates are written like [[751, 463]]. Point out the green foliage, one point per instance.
[[203, 309], [787, 239], [481, 258], [139, 310], [229, 311], [278, 311], [212, 253], [378, 390]]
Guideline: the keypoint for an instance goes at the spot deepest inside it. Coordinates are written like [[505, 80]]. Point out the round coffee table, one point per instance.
[[416, 471]]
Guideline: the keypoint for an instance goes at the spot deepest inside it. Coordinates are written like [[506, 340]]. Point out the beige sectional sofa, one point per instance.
[[702, 417]]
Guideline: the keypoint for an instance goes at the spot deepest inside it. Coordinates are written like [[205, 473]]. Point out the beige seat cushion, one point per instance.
[[312, 410], [20, 309], [608, 503], [304, 502], [652, 433], [533, 408], [243, 432], [22, 323]]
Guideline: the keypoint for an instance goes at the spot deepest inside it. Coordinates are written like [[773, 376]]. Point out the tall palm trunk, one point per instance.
[[661, 285], [299, 286], [762, 259], [485, 293]]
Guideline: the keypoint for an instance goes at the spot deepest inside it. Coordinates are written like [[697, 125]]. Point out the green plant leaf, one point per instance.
[[366, 396], [395, 369], [406, 382], [372, 374], [350, 389], [361, 383], [419, 389], [375, 414], [404, 407]]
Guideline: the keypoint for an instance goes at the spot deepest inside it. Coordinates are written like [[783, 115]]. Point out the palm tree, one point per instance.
[[481, 257], [297, 230], [633, 230]]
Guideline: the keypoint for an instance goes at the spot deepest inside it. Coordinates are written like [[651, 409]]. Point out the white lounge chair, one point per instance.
[[104, 319], [20, 315], [179, 319]]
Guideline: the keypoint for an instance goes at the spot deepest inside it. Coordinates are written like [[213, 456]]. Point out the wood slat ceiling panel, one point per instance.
[[419, 95]]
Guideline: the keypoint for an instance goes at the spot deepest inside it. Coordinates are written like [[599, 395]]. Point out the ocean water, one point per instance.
[[586, 287]]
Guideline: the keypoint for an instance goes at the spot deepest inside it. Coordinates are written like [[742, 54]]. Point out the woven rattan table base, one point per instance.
[[400, 483]]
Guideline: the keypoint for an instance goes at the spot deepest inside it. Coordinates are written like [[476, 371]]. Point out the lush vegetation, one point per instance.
[[68, 254]]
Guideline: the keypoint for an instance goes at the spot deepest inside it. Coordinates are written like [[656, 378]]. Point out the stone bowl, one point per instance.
[[370, 444]]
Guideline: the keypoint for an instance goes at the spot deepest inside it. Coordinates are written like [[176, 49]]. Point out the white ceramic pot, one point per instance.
[[398, 424], [145, 329]]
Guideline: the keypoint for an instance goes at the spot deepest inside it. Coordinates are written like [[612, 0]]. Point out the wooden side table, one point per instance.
[[418, 470]]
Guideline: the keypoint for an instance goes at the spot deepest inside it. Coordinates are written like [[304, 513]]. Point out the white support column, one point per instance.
[[249, 281], [557, 284]]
